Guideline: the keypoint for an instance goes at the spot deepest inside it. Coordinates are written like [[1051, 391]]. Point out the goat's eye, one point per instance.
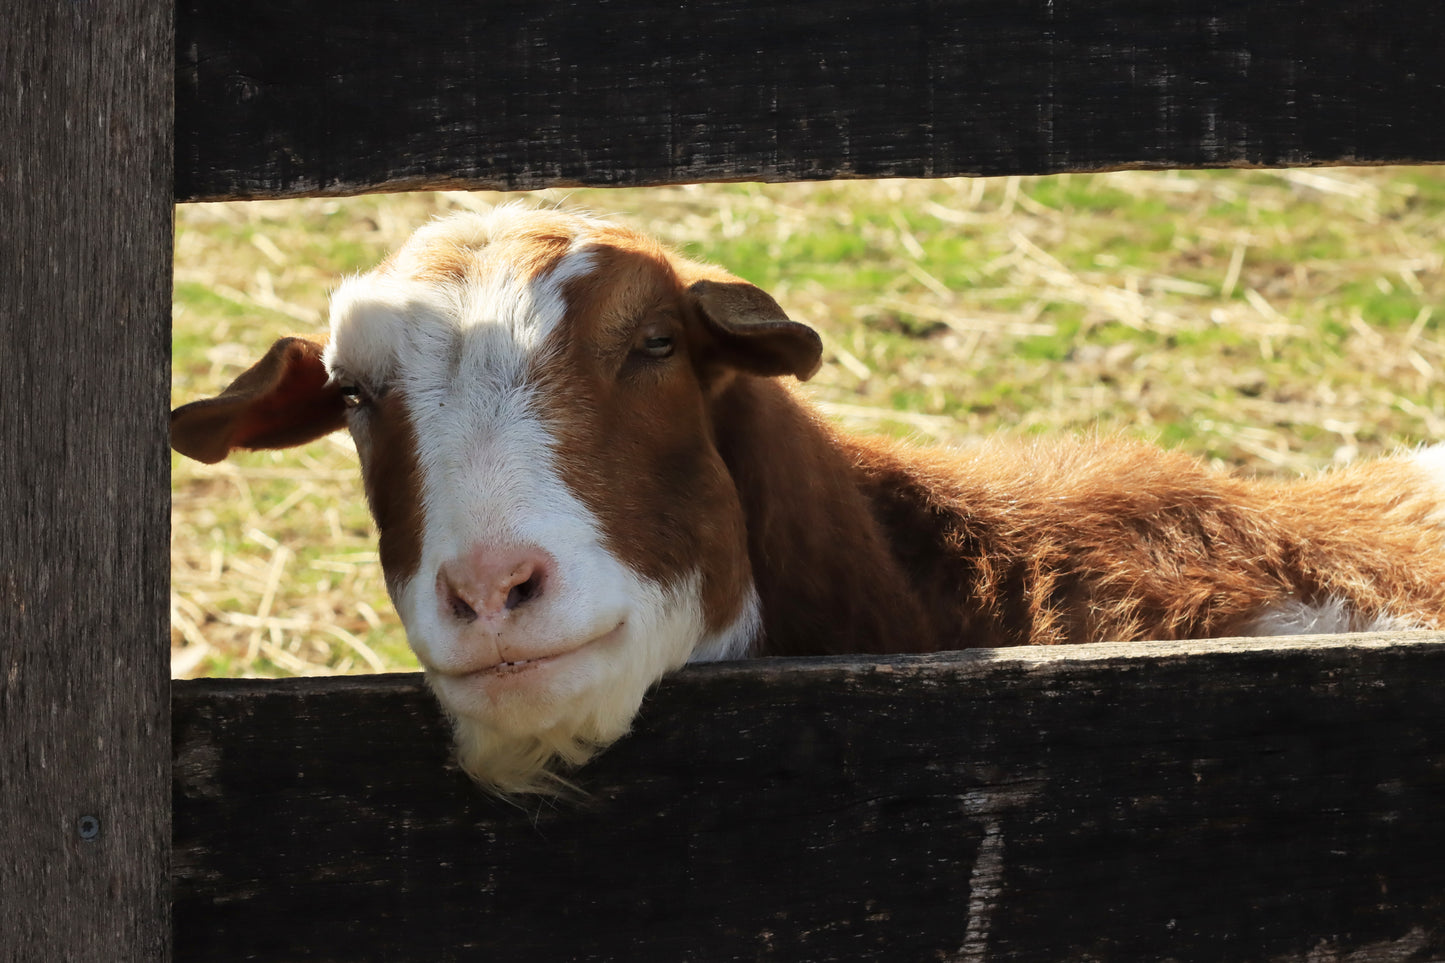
[[653, 346], [352, 396], [652, 341]]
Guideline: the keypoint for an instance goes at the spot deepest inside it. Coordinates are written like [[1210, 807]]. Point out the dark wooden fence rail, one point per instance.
[[344, 96], [1251, 801], [1233, 801]]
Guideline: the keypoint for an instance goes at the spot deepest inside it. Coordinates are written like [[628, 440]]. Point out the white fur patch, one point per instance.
[[1330, 617], [738, 639], [1431, 462]]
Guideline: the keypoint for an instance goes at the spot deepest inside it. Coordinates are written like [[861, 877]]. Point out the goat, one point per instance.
[[586, 470]]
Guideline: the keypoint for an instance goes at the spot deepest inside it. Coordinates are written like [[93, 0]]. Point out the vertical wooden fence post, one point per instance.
[[86, 117]]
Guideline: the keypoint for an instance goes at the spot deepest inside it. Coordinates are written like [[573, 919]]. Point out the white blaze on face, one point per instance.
[[566, 671]]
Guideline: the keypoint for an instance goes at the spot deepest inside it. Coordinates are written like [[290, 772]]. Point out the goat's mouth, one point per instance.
[[514, 668], [525, 696], [520, 665]]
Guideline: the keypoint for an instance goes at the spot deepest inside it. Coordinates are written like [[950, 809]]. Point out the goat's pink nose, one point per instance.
[[489, 581]]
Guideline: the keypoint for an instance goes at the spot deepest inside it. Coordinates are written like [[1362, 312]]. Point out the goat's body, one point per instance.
[[863, 545]]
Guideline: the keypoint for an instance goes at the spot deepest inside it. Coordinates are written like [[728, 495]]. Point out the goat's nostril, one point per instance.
[[524, 591], [461, 610]]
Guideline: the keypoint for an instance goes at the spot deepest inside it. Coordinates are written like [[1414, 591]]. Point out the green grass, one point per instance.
[[1270, 321]]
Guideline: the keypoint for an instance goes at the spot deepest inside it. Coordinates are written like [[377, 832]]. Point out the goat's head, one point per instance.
[[530, 396]]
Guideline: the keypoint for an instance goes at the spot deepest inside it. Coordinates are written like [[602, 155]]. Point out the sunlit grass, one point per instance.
[[1274, 321]]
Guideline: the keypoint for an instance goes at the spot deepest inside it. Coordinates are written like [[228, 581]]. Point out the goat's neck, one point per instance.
[[826, 564]]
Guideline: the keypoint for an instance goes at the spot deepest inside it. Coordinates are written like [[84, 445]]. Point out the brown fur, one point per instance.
[[859, 544], [635, 432], [874, 546], [387, 447], [444, 264]]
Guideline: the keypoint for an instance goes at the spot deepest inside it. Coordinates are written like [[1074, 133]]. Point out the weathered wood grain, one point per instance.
[[332, 97], [85, 268], [1239, 801]]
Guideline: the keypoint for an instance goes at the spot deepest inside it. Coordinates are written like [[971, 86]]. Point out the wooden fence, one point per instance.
[[1249, 800]]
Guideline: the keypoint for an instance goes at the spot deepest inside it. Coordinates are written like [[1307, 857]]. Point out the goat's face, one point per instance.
[[530, 395]]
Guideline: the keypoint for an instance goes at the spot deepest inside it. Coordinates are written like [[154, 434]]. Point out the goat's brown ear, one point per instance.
[[753, 333], [281, 401]]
